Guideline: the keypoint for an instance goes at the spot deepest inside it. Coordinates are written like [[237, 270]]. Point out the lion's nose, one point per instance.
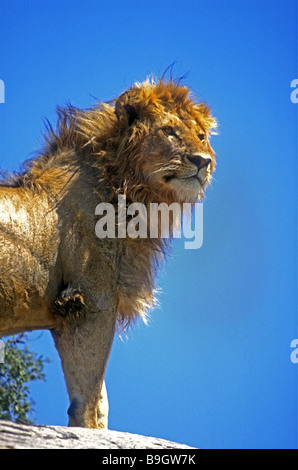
[[199, 161]]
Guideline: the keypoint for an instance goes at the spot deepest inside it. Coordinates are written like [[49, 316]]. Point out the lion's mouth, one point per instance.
[[186, 178]]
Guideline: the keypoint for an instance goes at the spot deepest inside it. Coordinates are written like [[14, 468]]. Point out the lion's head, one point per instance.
[[165, 140]]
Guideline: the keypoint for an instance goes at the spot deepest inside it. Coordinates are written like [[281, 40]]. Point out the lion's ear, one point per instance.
[[131, 113], [125, 111]]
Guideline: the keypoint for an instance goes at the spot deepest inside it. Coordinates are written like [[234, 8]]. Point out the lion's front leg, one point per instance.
[[92, 416], [84, 351], [103, 408]]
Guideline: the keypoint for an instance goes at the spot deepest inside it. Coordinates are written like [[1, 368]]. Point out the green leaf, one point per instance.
[[21, 366]]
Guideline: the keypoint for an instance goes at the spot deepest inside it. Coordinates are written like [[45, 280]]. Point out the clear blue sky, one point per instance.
[[213, 368]]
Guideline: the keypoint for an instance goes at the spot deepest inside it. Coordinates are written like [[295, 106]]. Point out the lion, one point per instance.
[[150, 144]]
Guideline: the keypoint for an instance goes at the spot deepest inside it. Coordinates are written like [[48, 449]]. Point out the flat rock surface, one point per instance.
[[20, 436]]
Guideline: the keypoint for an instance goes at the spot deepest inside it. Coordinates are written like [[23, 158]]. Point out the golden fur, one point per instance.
[[55, 273]]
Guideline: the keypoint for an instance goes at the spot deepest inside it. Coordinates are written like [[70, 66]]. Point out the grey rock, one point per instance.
[[20, 436]]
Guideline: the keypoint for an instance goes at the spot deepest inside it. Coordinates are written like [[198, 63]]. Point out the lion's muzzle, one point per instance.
[[199, 161]]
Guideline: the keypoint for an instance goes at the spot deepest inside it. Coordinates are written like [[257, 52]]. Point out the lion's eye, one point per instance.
[[169, 131], [201, 137]]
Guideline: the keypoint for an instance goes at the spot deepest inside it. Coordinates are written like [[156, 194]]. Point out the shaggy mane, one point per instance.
[[97, 137]]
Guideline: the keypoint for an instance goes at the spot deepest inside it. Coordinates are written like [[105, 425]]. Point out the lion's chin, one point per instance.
[[188, 189]]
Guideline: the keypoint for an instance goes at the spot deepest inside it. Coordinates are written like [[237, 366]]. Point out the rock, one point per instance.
[[20, 436]]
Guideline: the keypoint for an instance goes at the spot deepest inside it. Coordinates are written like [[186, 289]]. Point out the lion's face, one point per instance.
[[168, 140], [179, 160]]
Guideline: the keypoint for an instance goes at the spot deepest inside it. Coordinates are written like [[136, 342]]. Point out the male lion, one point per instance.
[[152, 145]]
